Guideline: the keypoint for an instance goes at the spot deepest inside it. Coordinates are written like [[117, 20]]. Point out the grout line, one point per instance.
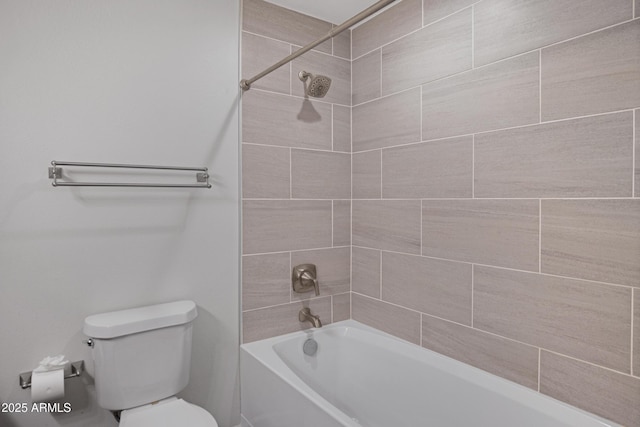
[[540, 237], [399, 199], [540, 85], [293, 301], [421, 329], [332, 120], [421, 230], [295, 148], [473, 37], [539, 362], [290, 272], [633, 152], [290, 174], [633, 8], [472, 290], [380, 74], [473, 166], [331, 304], [351, 179], [296, 250], [292, 95], [421, 116], [617, 285], [381, 195], [633, 291], [380, 275], [332, 219]]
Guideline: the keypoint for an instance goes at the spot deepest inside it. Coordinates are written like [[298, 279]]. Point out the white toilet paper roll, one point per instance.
[[47, 386]]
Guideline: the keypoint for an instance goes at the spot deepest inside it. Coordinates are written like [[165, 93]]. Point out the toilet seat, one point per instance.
[[171, 412]]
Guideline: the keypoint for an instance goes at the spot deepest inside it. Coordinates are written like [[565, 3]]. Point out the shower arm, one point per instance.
[[245, 84]]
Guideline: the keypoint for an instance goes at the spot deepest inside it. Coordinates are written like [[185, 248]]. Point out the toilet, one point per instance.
[[142, 358]]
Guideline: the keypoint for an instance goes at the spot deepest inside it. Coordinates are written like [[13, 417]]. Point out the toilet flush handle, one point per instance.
[[88, 342]]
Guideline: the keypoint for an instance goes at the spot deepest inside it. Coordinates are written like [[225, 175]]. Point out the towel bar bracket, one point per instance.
[[55, 173]]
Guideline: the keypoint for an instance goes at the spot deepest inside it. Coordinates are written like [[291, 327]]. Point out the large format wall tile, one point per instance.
[[341, 222], [500, 356], [587, 157], [592, 239], [581, 319], [265, 172], [366, 77], [284, 225], [265, 280], [494, 232], [435, 169], [402, 18], [365, 274], [438, 9], [341, 128], [342, 44], [388, 121], [282, 319], [266, 19], [609, 394], [366, 175], [259, 53], [333, 268], [274, 119], [387, 224], [432, 286], [592, 74], [497, 96], [505, 27], [436, 51], [337, 69], [320, 175], [389, 318], [341, 307]]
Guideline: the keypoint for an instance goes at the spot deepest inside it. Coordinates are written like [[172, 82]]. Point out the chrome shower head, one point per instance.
[[318, 85]]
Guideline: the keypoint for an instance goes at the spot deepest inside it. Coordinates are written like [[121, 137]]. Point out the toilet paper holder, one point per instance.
[[77, 368]]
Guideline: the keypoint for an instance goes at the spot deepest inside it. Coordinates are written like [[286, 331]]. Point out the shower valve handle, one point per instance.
[[304, 279]]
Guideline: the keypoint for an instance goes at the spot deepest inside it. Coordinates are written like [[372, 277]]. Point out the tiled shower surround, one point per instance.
[[470, 183]]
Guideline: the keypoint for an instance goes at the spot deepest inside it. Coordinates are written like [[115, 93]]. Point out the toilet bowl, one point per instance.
[[167, 412], [142, 359]]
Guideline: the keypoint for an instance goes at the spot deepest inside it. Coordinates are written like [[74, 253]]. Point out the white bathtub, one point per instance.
[[363, 377]]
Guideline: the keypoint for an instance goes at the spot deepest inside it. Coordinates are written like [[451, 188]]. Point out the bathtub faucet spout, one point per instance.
[[306, 316]]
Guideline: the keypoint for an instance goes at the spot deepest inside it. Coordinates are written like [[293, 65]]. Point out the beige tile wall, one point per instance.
[[490, 208], [494, 175], [296, 173]]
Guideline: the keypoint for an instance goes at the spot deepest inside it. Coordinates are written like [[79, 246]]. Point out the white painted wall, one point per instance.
[[127, 81]]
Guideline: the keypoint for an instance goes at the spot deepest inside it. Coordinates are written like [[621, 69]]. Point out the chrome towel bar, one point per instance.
[[55, 173]]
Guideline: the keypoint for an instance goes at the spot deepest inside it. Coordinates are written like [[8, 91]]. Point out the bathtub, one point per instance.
[[363, 377]]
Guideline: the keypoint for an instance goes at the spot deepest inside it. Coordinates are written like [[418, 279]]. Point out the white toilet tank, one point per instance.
[[141, 355]]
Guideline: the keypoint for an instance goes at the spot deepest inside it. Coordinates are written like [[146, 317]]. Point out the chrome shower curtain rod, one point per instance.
[[245, 84]]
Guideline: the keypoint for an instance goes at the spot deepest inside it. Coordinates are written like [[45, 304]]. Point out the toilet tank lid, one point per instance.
[[125, 322]]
